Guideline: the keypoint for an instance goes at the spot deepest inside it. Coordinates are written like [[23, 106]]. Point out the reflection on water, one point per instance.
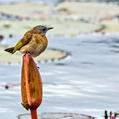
[[86, 82]]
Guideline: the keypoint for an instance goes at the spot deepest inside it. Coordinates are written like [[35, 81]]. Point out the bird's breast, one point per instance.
[[36, 46]]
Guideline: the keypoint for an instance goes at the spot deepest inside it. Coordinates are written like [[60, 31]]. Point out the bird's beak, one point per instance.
[[49, 28]]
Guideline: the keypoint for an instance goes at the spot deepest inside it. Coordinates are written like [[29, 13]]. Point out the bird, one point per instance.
[[34, 41]]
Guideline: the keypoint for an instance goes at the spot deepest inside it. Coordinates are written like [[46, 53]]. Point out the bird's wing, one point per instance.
[[26, 39]]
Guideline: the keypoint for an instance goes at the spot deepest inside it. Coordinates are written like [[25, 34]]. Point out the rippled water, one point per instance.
[[85, 82]]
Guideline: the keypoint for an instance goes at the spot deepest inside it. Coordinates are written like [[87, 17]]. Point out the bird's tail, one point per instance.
[[10, 50]]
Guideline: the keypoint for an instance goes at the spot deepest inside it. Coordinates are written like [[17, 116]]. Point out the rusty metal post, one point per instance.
[[31, 85]]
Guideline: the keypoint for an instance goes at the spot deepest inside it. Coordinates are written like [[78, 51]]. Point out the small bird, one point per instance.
[[34, 41]]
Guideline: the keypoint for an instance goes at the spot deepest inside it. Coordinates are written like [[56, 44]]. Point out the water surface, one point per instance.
[[86, 82], [53, 2]]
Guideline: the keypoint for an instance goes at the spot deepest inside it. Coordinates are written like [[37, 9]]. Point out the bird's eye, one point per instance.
[[43, 29]]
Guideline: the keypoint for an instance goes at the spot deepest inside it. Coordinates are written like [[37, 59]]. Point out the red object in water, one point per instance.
[[31, 85], [112, 117]]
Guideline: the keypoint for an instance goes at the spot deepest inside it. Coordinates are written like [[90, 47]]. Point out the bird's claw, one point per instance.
[[27, 52]]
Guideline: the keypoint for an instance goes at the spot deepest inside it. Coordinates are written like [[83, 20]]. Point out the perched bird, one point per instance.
[[34, 41]]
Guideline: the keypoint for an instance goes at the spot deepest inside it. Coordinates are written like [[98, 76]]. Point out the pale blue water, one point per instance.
[[49, 2], [86, 82], [53, 2]]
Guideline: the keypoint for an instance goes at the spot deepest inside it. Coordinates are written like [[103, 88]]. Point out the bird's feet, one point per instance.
[[26, 53]]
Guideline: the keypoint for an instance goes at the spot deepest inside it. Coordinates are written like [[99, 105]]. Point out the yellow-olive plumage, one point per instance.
[[33, 41]]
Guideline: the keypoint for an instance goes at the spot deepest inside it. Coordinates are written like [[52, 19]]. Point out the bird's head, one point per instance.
[[41, 29]]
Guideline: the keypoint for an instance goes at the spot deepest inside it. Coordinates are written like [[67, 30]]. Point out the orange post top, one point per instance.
[[31, 83]]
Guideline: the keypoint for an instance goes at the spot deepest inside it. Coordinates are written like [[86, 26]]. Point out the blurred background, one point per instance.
[[55, 2], [80, 73]]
